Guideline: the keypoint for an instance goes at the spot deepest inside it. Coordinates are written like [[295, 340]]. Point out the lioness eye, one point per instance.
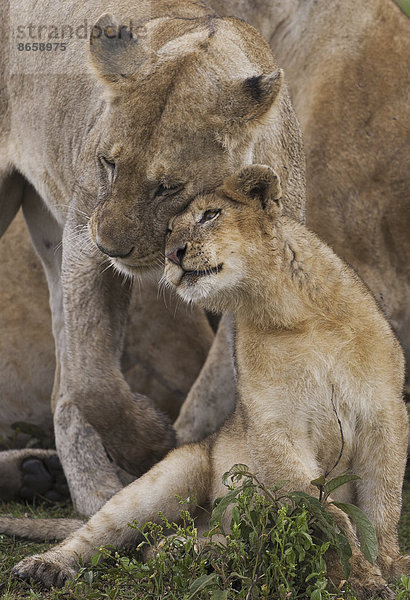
[[167, 190], [209, 215], [109, 164]]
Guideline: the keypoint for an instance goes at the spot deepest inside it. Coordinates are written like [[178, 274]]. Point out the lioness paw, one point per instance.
[[49, 570], [45, 477]]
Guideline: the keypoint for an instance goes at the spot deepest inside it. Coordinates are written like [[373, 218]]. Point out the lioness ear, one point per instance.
[[255, 184], [114, 50], [251, 98]]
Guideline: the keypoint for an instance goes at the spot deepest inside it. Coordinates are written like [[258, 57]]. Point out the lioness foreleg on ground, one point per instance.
[[91, 477], [184, 472], [95, 309]]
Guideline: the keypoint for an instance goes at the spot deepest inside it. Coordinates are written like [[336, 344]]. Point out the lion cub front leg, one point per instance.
[[184, 472], [380, 461], [284, 462]]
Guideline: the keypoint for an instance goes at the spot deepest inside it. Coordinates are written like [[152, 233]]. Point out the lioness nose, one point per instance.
[[176, 255], [113, 253]]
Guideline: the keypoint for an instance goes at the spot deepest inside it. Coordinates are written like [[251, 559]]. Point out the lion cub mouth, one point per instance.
[[196, 273]]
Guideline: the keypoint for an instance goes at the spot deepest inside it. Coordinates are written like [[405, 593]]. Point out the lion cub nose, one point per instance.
[[176, 255]]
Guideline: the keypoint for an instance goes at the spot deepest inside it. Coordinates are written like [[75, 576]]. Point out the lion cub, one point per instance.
[[312, 348]]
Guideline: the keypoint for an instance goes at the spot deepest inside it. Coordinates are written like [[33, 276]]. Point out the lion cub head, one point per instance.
[[213, 246]]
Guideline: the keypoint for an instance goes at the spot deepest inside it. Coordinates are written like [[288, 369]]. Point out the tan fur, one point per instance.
[[115, 135], [26, 341], [310, 342], [350, 91]]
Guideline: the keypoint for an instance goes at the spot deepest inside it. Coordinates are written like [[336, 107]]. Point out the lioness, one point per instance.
[[347, 65], [115, 136], [312, 348]]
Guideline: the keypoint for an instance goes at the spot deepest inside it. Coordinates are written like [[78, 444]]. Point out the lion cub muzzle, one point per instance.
[[187, 264]]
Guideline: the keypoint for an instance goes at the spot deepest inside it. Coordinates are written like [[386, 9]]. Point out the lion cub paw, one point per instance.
[[371, 588], [401, 566], [49, 569]]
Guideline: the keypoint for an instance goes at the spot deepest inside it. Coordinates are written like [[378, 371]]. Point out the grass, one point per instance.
[[180, 572], [404, 525], [404, 5]]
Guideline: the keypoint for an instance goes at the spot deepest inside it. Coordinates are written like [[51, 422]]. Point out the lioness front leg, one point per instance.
[[92, 386], [184, 472], [212, 397], [91, 477]]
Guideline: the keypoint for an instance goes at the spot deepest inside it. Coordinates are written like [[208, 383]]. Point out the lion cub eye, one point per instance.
[[210, 215]]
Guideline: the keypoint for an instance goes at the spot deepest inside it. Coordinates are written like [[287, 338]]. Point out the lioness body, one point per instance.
[[312, 348], [115, 135]]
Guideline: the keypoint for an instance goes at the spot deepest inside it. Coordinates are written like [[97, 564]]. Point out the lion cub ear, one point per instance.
[[115, 51], [257, 185]]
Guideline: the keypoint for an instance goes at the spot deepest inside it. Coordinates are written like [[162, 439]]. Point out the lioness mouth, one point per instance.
[[210, 271]]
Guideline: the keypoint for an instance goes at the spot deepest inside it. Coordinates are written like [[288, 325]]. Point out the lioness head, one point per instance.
[[186, 102], [213, 245]]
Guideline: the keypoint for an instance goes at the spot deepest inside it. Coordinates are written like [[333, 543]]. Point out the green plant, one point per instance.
[[275, 547], [403, 588], [404, 5]]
